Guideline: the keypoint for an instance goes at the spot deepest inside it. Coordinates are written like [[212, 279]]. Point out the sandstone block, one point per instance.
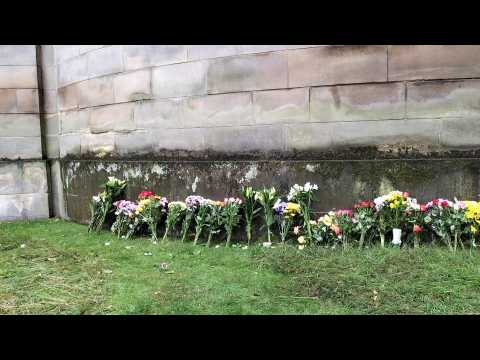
[[218, 110], [142, 56], [18, 55], [358, 102], [281, 106], [158, 114], [10, 178], [443, 99], [13, 148], [132, 86], [20, 125], [52, 146], [304, 137], [331, 65], [97, 145], [74, 121], [64, 52], [134, 143], [68, 97], [177, 80], [460, 133], [104, 61], [411, 62], [8, 101], [72, 70], [199, 52], [51, 124], [23, 206], [95, 92], [27, 101], [247, 72], [177, 139], [34, 177], [118, 117], [18, 77], [69, 144]]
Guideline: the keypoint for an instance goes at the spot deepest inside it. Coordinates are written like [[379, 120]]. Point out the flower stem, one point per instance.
[[362, 239], [209, 238], [382, 239]]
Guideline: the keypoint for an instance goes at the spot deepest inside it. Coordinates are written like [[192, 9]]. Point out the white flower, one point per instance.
[[23, 246], [216, 247], [245, 247], [96, 198], [301, 247], [267, 244], [107, 243]]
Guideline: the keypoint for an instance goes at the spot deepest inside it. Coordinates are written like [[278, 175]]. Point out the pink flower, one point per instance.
[[296, 230], [417, 229]]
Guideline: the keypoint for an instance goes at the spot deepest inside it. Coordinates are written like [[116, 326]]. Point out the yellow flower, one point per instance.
[[392, 205], [301, 247], [473, 229], [301, 240], [327, 220]]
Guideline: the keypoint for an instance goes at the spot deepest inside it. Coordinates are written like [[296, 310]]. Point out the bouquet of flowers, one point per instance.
[[303, 195], [213, 219], [345, 221], [285, 213], [176, 209], [230, 216], [201, 219], [125, 224], [192, 203], [250, 210], [325, 230], [439, 217], [364, 215], [415, 219], [472, 218], [102, 204], [267, 198], [391, 213], [150, 210]]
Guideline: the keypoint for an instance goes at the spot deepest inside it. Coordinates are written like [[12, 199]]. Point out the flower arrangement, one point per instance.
[[192, 203], [231, 216], [150, 210], [303, 195], [214, 219], [364, 214], [125, 222], [267, 198], [102, 204], [250, 210], [285, 213], [452, 221], [201, 219], [176, 210]]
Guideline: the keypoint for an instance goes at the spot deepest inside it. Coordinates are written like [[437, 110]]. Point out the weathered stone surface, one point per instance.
[[177, 139], [158, 114], [118, 117], [75, 120], [133, 86], [281, 106], [443, 99], [23, 206], [68, 97], [198, 52], [423, 132], [34, 177], [134, 143], [27, 101], [141, 56], [251, 49], [10, 178], [51, 124], [86, 48], [305, 137], [72, 70], [20, 147], [95, 92], [49, 101], [244, 139], [52, 146], [48, 56], [177, 80], [410, 62], [69, 144], [97, 144], [58, 199], [358, 102], [247, 72], [18, 77], [17, 55], [64, 52], [49, 77], [21, 125], [104, 61], [330, 65], [8, 101], [460, 133], [218, 110]]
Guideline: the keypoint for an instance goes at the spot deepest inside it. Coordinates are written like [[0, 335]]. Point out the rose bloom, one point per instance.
[[145, 194], [337, 230], [417, 229], [423, 207]]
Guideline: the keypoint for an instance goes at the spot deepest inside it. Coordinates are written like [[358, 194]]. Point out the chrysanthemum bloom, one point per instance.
[[301, 240]]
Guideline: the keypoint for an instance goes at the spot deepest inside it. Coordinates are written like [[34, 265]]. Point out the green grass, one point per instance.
[[64, 270]]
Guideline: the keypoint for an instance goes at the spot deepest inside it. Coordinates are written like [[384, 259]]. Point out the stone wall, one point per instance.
[[359, 120], [23, 179]]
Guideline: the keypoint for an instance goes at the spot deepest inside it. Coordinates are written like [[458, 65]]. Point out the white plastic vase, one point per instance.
[[397, 235]]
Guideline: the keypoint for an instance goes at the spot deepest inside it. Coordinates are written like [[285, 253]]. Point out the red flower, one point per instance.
[[145, 194], [423, 207], [364, 204], [417, 229], [444, 203], [344, 212]]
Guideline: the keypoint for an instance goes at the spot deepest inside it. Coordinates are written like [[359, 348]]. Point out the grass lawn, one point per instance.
[[63, 270]]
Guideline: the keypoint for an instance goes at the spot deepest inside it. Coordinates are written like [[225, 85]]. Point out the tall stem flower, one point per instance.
[[250, 210], [267, 197]]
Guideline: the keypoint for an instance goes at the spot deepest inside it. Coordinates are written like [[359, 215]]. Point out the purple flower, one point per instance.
[[280, 207], [194, 201]]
